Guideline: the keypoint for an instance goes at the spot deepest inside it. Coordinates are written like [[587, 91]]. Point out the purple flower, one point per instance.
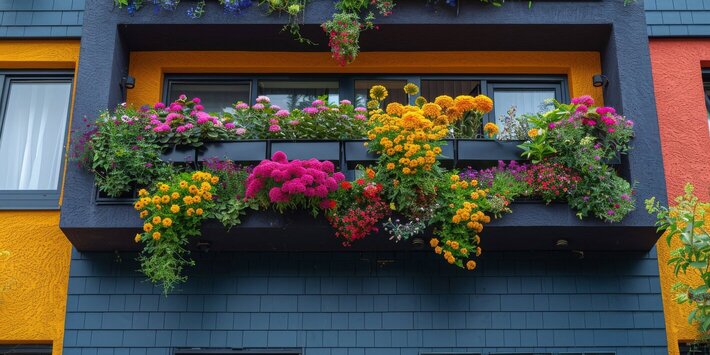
[[229, 125], [148, 165], [159, 106], [626, 197], [582, 108], [317, 103], [181, 129], [610, 212], [551, 125], [596, 157]]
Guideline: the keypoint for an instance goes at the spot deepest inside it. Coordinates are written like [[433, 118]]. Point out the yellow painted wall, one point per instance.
[[149, 67], [34, 276]]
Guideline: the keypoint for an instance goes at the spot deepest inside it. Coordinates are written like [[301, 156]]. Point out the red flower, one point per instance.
[[360, 181], [346, 185]]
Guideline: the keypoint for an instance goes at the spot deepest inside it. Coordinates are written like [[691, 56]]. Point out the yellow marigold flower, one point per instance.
[[456, 219], [147, 227], [156, 220], [451, 259], [138, 205], [464, 103], [163, 187], [455, 245], [395, 109], [471, 225], [156, 199], [411, 89], [192, 189], [174, 208], [390, 151], [454, 113], [478, 251], [137, 238], [190, 211], [444, 101], [395, 183], [491, 129], [214, 179], [455, 178], [437, 250], [183, 184], [156, 235], [142, 192], [431, 110], [474, 182], [532, 133], [454, 186], [474, 195], [175, 196], [434, 242], [196, 199], [207, 195], [199, 212], [187, 200], [373, 104], [406, 170], [420, 101], [398, 148], [436, 150], [143, 214], [206, 186], [464, 251], [390, 166], [483, 103], [378, 92], [165, 199], [167, 222], [471, 265]]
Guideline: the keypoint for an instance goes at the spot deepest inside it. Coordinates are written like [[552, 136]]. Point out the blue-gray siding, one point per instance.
[[41, 18], [63, 18], [348, 303]]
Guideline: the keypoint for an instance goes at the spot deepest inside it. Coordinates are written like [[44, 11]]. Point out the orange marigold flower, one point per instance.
[[483, 103], [137, 238], [165, 199], [199, 212], [395, 109], [156, 220], [471, 265], [175, 196], [431, 110], [167, 222], [438, 250], [491, 129], [444, 101], [143, 214], [156, 235], [465, 103], [147, 227], [174, 208], [434, 242]]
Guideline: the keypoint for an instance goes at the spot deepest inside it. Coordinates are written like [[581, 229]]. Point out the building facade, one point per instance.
[[84, 295]]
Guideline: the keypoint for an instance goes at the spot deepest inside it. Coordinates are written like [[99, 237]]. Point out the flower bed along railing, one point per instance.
[[404, 183]]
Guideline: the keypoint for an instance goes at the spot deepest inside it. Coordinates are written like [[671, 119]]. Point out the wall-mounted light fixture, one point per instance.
[[128, 82], [600, 80]]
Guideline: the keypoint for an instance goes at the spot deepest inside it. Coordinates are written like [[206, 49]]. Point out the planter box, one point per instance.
[[473, 150], [448, 153], [355, 153], [304, 150], [248, 152], [179, 155], [101, 198]]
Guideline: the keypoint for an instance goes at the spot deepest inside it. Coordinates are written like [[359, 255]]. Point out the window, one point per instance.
[[523, 94], [34, 113], [706, 86], [289, 94], [216, 95], [34, 349], [690, 348]]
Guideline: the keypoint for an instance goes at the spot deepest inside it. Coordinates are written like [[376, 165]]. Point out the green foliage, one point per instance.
[[688, 223], [231, 204]]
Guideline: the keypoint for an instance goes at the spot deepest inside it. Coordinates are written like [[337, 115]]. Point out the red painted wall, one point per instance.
[[685, 140]]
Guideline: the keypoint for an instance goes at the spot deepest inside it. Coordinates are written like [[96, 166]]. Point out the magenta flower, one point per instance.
[[583, 100], [181, 129], [345, 102], [605, 110], [241, 106], [188, 125], [282, 113], [196, 100], [360, 109], [199, 108], [182, 97], [317, 103], [274, 128], [258, 106], [229, 125], [159, 106], [360, 117], [273, 121], [263, 99], [310, 110]]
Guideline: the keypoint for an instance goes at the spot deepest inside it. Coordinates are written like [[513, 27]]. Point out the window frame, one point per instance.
[[35, 199]]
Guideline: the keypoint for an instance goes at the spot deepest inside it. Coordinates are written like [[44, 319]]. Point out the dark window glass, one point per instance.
[[430, 89], [395, 90], [293, 94], [216, 95], [707, 100], [693, 348], [33, 349]]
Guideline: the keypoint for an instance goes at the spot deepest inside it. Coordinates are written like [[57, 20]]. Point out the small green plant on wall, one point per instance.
[[686, 228]]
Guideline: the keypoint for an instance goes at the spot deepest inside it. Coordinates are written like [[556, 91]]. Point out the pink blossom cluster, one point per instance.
[[587, 115], [182, 116], [298, 178]]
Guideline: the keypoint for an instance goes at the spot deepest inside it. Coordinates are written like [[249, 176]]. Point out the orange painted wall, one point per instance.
[[34, 263], [149, 67], [685, 141]]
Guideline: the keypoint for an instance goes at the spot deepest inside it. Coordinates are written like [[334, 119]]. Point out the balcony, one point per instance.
[[110, 224]]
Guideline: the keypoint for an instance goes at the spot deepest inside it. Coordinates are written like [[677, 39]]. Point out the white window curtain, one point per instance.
[[525, 102], [32, 135]]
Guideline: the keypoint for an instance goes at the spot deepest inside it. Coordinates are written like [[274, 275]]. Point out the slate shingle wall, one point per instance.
[[345, 303], [41, 18], [678, 17]]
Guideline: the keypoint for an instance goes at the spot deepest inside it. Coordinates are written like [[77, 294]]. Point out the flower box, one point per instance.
[[179, 155], [355, 153], [471, 151], [128, 198], [248, 152], [304, 150]]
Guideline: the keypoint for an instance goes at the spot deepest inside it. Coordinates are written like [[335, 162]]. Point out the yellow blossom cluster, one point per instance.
[[189, 195]]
